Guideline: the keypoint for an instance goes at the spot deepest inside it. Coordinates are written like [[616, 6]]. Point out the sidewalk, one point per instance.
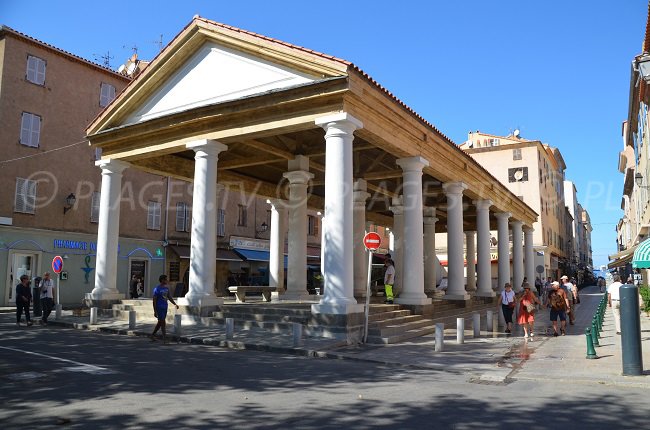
[[491, 358]]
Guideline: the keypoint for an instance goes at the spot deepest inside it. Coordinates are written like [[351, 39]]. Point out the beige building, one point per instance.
[[534, 172]]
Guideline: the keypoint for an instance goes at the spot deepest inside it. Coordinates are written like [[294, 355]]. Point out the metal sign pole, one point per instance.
[[365, 325], [57, 288]]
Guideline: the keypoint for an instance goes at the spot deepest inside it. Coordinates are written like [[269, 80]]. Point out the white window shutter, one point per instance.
[[180, 216]]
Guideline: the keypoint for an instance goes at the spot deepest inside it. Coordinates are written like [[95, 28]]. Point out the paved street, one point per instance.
[[56, 376]]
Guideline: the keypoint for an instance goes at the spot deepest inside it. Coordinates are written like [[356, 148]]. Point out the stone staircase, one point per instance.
[[387, 323]]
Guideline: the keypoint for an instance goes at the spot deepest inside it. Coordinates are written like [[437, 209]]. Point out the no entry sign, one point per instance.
[[57, 264], [372, 241]]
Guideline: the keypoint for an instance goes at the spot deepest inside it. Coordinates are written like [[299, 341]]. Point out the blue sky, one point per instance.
[[557, 70]]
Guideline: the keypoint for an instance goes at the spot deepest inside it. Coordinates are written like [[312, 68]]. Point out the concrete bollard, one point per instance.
[[440, 336], [490, 321], [476, 324], [132, 320], [495, 323], [230, 328], [178, 322], [460, 330], [58, 311], [297, 334], [93, 315]]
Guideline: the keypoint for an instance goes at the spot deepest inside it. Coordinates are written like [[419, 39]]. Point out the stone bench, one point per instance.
[[241, 290]]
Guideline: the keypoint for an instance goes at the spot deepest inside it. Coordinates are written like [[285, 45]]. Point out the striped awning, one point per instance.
[[641, 259]]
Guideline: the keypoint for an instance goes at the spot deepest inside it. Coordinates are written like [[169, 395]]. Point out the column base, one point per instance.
[[485, 294], [298, 296], [456, 296], [415, 301], [102, 300], [337, 309]]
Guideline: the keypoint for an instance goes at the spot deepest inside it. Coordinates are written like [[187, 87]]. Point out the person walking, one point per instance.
[[559, 303], [527, 306], [47, 297], [133, 287], [160, 297], [507, 302], [389, 280], [613, 301], [23, 298], [568, 289]]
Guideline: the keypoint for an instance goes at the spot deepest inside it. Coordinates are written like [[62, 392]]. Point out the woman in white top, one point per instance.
[[507, 301]]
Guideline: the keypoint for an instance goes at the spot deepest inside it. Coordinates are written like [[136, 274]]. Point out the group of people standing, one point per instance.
[[24, 298], [560, 299]]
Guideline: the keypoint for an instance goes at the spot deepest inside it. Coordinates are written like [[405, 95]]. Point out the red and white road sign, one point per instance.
[[57, 264], [372, 241]]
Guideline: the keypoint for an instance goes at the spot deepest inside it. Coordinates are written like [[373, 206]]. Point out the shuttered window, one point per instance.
[[106, 94], [153, 215], [35, 70], [221, 223], [25, 200], [94, 207], [30, 130], [183, 217]]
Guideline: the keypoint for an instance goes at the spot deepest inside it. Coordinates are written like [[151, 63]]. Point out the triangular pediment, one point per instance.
[[215, 74]]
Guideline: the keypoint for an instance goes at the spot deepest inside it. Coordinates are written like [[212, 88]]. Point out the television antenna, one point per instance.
[[159, 42], [134, 48], [106, 58]]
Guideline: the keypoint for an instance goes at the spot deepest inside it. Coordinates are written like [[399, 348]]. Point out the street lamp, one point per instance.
[[263, 228], [638, 178]]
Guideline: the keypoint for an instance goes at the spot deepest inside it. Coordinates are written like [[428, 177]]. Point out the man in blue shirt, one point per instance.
[[160, 297]]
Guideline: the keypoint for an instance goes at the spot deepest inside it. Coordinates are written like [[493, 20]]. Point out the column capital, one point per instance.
[[482, 203], [345, 122], [470, 233], [429, 211], [277, 203], [412, 164], [112, 166], [299, 177], [454, 187], [397, 201], [209, 147], [397, 210], [503, 215], [515, 223], [528, 229]]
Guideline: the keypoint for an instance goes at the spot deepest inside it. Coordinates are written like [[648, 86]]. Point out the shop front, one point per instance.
[[30, 252]]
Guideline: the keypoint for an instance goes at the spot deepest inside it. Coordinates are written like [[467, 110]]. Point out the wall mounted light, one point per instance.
[[263, 228], [69, 203]]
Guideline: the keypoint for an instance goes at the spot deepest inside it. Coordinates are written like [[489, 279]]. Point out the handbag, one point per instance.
[[511, 305], [530, 307]]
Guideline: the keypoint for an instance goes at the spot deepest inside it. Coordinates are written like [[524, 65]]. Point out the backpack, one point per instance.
[[557, 302]]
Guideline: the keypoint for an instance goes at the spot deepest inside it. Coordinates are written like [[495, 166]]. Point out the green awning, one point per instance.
[[641, 259]]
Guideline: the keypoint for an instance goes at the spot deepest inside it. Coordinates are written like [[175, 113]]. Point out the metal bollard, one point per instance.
[[594, 333], [178, 324], [489, 324], [440, 336], [131, 320], [460, 330], [230, 328], [58, 311], [93, 315], [476, 324], [631, 330], [297, 334], [591, 352]]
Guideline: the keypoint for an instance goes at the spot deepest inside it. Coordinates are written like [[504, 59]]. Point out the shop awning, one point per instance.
[[255, 255], [641, 258], [622, 258], [222, 254]]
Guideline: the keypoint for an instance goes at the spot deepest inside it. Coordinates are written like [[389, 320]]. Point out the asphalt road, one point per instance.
[[52, 377]]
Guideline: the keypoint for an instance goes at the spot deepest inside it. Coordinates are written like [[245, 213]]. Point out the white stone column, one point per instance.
[[503, 248], [337, 264], [276, 245], [483, 248], [470, 240], [397, 253], [108, 231], [517, 256], [412, 292], [203, 251], [360, 253], [529, 255], [455, 260], [430, 261], [298, 176]]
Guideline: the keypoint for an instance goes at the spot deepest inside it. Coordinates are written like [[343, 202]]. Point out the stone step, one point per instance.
[[266, 310], [378, 316], [374, 309], [261, 317], [272, 326], [401, 337], [394, 321], [397, 329]]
